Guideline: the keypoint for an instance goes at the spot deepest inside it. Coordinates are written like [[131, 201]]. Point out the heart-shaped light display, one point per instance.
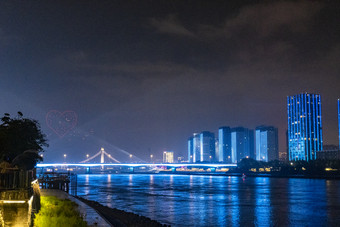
[[61, 122]]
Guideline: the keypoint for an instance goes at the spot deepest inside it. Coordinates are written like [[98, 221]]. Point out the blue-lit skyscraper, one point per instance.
[[304, 126], [339, 120], [266, 143], [207, 146], [242, 144], [190, 149], [196, 142], [224, 145]]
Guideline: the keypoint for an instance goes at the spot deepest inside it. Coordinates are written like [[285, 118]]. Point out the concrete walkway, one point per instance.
[[88, 213]]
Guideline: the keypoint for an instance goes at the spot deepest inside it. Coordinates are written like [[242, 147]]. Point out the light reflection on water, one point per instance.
[[263, 204], [217, 200]]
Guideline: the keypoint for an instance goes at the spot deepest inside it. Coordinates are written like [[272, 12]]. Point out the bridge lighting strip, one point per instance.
[[40, 165]]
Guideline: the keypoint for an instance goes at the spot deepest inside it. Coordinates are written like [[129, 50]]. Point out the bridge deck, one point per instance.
[[209, 165]]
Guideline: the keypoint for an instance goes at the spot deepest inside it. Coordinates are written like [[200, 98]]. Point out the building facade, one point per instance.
[[168, 157], [216, 150], [196, 142], [329, 152], [339, 120], [190, 149], [207, 146], [266, 143], [304, 126], [224, 145], [242, 144]]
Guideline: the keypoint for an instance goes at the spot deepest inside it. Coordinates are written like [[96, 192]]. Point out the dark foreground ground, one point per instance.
[[120, 218]]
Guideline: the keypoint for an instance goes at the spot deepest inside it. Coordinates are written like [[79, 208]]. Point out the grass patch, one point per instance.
[[57, 212]]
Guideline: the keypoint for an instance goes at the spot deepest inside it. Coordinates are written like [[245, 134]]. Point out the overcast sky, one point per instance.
[[142, 76]]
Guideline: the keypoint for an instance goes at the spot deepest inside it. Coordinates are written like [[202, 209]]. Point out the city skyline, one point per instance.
[[140, 76], [304, 135]]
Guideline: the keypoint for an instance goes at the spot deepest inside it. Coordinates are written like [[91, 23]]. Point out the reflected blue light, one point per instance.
[[130, 179], [109, 179], [263, 203], [233, 210], [179, 200], [314, 205]]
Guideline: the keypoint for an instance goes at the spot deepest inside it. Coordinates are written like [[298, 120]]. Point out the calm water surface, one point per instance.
[[217, 200]]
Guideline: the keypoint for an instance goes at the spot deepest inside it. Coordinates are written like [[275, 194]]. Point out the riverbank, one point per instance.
[[306, 176], [120, 218], [89, 214], [248, 174], [58, 212]]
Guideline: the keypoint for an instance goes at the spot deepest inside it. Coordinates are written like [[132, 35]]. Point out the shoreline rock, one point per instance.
[[120, 218]]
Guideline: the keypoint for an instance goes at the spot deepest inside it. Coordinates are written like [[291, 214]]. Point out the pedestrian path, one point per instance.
[[88, 213]]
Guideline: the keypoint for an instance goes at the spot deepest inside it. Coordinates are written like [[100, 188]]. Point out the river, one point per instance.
[[187, 200]]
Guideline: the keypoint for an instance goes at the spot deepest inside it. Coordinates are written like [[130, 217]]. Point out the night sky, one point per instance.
[[142, 76]]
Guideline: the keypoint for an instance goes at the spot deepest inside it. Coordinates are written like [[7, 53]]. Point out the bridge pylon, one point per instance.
[[102, 154]]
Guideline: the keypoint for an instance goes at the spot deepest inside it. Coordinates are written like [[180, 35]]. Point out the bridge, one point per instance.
[[208, 165], [102, 153], [131, 167]]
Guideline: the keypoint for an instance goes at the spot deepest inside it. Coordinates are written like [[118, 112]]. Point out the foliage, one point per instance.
[[26, 160], [247, 163], [21, 138], [313, 167], [57, 212]]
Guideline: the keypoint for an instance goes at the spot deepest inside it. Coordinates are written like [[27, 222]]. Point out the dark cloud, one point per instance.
[[265, 19], [147, 77], [170, 25], [262, 20]]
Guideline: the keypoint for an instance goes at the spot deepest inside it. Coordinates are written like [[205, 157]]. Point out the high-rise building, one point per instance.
[[190, 149], [196, 142], [224, 144], [207, 140], [168, 157], [329, 152], [266, 141], [339, 120], [242, 144], [304, 126], [216, 150]]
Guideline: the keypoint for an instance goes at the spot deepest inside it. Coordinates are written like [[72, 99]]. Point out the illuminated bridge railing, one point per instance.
[[208, 165]]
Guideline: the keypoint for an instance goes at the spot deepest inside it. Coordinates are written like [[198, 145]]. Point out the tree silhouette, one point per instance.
[[18, 135], [248, 163]]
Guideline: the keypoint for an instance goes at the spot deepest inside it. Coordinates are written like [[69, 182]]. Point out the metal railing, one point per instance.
[[16, 179]]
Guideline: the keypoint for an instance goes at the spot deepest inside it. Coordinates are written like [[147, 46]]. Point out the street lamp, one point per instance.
[[151, 156], [65, 157], [87, 156]]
